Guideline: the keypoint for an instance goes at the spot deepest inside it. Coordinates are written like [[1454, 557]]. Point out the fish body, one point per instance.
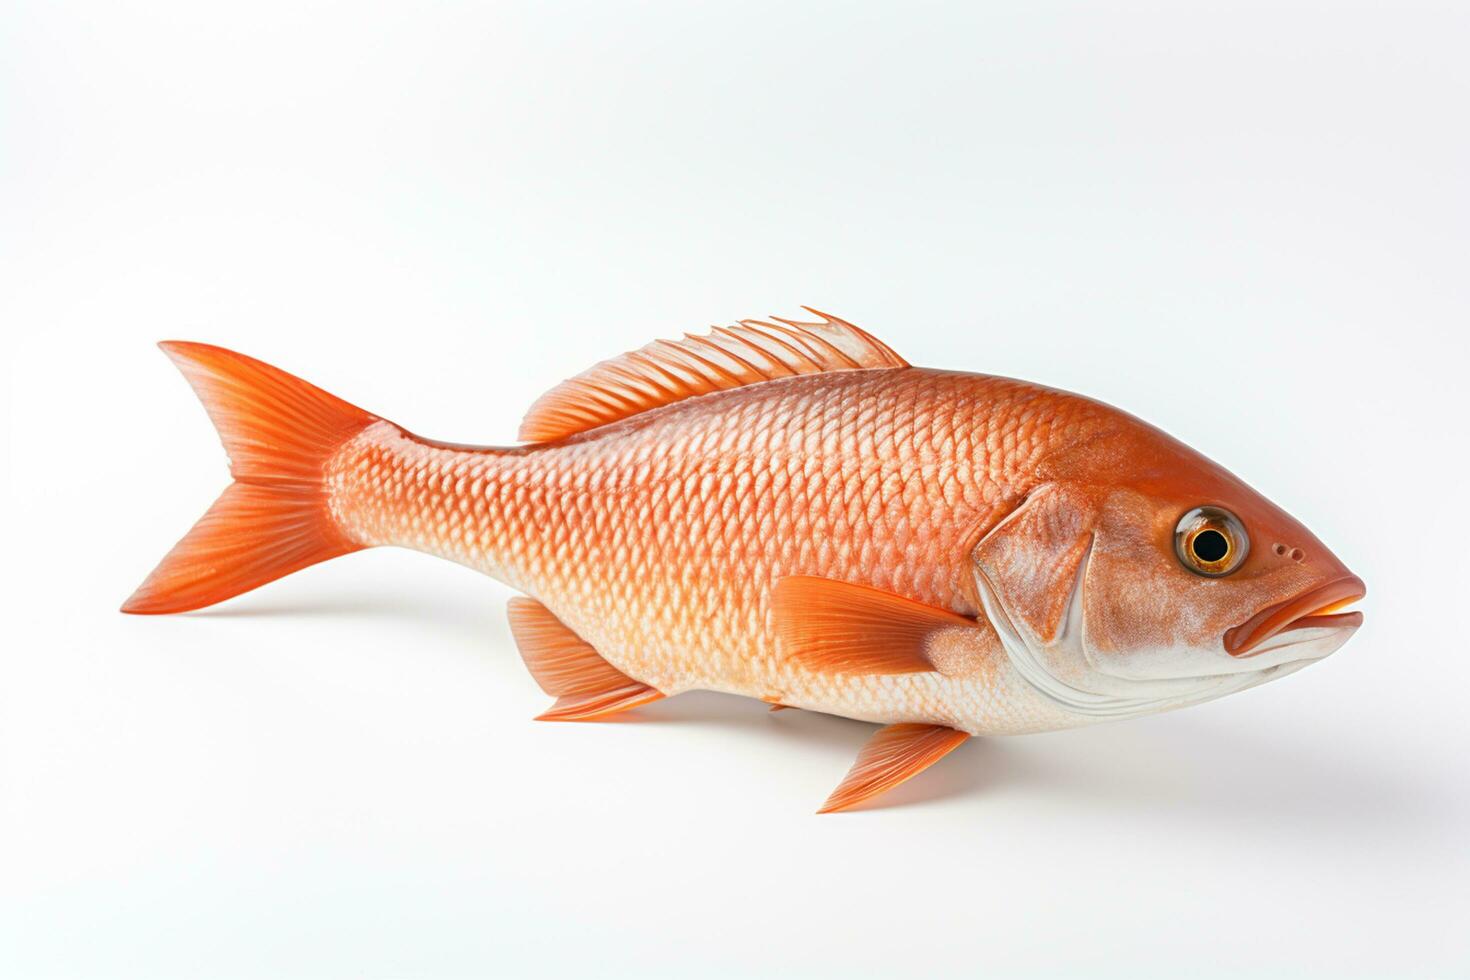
[[659, 538], [789, 511]]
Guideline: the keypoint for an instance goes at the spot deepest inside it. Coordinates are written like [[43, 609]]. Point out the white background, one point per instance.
[[1246, 223]]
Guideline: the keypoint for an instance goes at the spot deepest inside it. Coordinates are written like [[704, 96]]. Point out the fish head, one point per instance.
[[1138, 576]]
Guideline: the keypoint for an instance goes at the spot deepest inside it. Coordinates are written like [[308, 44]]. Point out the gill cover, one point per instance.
[[1031, 573], [1034, 557]]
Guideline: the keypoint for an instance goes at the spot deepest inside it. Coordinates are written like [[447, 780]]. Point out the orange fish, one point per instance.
[[787, 510]]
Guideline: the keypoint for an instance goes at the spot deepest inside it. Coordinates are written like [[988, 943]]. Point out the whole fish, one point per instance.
[[788, 510]]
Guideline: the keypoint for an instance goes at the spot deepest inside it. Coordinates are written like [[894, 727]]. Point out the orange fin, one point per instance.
[[894, 754], [668, 371], [567, 667], [778, 706], [600, 704], [279, 433], [839, 627]]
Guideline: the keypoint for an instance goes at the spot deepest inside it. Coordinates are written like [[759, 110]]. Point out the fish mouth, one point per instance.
[[1315, 609]]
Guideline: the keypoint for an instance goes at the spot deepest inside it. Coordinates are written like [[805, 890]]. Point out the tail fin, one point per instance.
[[279, 433]]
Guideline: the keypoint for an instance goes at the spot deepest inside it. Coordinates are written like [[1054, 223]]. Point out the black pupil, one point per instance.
[[1210, 545]]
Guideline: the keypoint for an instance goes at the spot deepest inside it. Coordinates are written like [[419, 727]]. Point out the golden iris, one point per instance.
[[1211, 541]]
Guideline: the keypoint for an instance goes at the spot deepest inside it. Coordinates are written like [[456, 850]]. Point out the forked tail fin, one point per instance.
[[279, 432]]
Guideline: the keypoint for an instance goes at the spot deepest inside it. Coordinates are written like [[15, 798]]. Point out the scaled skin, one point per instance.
[[659, 538], [788, 510]]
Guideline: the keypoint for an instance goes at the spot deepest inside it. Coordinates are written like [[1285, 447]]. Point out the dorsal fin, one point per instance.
[[668, 371]]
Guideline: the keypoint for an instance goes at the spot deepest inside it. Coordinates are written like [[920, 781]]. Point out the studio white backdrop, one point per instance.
[[1247, 223]]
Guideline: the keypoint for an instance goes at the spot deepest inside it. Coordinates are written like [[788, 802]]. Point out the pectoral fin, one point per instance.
[[840, 627], [566, 666], [895, 754]]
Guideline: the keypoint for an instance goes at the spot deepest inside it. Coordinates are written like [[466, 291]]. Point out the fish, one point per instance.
[[788, 510]]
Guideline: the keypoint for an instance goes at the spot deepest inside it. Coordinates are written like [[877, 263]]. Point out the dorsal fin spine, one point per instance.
[[862, 334], [713, 366], [802, 352], [741, 335], [817, 338], [732, 355], [667, 371]]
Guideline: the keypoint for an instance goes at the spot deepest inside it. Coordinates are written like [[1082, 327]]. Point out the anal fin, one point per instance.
[[893, 755], [567, 667], [590, 707]]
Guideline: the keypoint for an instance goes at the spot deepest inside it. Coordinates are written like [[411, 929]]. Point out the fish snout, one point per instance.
[[1319, 608]]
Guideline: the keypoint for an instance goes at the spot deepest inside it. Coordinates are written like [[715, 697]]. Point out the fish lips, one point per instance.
[[1314, 610]]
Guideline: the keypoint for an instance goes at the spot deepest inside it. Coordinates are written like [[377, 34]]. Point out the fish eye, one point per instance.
[[1211, 541]]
